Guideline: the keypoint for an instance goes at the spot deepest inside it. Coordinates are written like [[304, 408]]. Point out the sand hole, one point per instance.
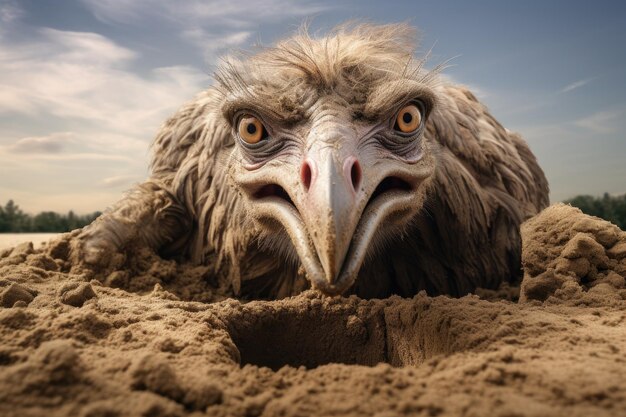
[[274, 337]]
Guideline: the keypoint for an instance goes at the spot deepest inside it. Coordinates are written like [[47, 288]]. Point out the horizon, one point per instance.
[[85, 84], [77, 213]]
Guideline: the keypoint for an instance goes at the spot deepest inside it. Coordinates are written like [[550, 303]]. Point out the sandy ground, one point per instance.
[[156, 339], [8, 240]]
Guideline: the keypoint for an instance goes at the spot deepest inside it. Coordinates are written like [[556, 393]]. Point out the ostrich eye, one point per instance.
[[409, 118], [251, 130]]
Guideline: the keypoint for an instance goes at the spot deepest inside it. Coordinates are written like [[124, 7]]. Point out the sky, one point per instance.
[[85, 84]]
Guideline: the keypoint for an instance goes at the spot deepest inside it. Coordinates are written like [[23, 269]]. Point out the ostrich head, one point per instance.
[[331, 155]]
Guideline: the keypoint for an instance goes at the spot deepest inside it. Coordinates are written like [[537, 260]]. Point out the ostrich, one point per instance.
[[338, 163]]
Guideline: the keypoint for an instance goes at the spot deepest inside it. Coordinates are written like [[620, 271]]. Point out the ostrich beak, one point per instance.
[[343, 207], [332, 209]]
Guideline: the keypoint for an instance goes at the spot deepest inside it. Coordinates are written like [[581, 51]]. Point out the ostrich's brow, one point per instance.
[[271, 104], [388, 97]]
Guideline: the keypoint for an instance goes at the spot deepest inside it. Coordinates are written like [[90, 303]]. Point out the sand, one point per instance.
[[156, 339], [8, 240]]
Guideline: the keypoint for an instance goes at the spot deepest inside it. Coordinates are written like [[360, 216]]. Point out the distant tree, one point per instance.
[[4, 221], [71, 222], [47, 222], [611, 208], [14, 220]]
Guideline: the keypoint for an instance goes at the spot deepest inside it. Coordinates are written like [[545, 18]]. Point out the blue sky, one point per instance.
[[85, 84]]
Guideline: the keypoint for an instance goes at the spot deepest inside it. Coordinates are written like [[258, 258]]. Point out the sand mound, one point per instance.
[[153, 338], [572, 258]]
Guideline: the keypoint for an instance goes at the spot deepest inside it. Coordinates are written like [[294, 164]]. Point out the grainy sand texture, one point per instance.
[[158, 339]]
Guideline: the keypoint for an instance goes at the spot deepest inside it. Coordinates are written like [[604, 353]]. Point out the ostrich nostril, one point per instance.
[[355, 175], [305, 175]]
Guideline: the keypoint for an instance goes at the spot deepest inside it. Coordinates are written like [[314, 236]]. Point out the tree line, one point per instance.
[[14, 220], [608, 207]]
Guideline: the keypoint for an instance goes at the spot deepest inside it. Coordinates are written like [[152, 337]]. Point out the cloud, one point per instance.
[[201, 11], [119, 181], [211, 26], [74, 110], [70, 146], [87, 77], [602, 122], [81, 157], [50, 144], [213, 45], [577, 84], [9, 11]]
